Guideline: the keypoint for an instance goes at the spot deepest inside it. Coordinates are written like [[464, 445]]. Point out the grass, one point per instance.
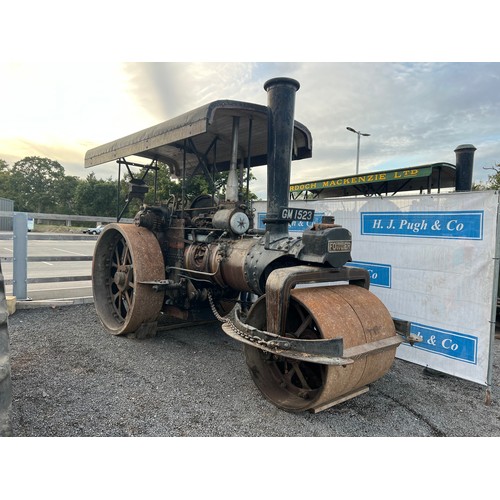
[[58, 228]]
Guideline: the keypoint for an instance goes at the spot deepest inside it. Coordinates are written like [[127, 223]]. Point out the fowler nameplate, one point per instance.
[[339, 246]]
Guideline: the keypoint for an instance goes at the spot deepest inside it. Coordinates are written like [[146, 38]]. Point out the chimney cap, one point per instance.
[[281, 80], [465, 146]]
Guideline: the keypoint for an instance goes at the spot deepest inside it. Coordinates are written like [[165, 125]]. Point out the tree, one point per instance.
[[166, 187], [195, 185], [65, 195], [4, 179], [34, 181], [493, 181], [221, 183], [95, 197], [40, 185]]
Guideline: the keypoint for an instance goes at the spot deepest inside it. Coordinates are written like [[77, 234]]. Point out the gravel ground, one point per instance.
[[70, 378]]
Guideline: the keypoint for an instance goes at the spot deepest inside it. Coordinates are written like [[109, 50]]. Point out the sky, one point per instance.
[[416, 107], [421, 78]]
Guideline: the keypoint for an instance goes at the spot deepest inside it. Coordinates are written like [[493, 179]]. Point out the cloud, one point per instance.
[[166, 90], [416, 113]]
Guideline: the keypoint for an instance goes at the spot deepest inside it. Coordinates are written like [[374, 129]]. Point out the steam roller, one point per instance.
[[313, 334]]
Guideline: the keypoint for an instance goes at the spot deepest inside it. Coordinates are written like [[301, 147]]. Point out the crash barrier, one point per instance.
[[433, 261], [67, 219], [20, 259], [5, 379]]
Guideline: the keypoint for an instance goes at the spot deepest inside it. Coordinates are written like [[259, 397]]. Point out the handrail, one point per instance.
[[20, 259], [66, 217], [56, 279]]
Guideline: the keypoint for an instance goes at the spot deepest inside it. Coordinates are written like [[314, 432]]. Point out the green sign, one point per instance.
[[388, 175]]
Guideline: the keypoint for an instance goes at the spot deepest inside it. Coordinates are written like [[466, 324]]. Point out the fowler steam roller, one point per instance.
[[313, 333]]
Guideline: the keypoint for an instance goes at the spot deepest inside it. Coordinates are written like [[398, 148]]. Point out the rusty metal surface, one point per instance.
[[221, 263], [316, 350], [359, 317], [281, 281], [322, 359], [348, 311], [232, 266], [126, 255], [327, 351]]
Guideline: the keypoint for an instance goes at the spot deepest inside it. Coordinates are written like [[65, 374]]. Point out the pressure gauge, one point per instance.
[[239, 223]]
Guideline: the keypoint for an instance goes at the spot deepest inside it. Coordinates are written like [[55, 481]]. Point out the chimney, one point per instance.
[[281, 106], [464, 165]]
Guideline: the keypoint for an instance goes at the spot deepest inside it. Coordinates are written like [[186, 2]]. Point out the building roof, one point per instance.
[[387, 182]]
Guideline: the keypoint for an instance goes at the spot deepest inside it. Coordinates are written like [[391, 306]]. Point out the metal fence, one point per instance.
[[20, 258], [61, 217]]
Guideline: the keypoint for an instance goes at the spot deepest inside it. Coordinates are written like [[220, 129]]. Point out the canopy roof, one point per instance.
[[418, 178], [203, 135]]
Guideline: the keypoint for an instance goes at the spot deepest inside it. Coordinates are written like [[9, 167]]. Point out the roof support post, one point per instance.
[[232, 179]]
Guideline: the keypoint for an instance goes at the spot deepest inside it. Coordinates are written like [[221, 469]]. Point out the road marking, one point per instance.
[[67, 251], [8, 249], [48, 263]]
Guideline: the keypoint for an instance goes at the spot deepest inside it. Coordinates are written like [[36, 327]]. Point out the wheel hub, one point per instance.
[[121, 278]]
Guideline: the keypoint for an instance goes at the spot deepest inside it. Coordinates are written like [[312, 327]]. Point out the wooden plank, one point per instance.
[[372, 347], [342, 399]]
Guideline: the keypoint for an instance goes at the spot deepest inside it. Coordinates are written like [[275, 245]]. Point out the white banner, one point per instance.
[[433, 261]]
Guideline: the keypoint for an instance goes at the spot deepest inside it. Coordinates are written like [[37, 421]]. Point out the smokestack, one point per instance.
[[280, 128], [464, 166]]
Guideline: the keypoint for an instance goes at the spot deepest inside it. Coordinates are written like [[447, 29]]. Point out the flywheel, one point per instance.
[[125, 256], [348, 311]]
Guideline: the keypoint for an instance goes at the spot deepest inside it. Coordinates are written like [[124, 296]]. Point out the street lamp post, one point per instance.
[[357, 156]]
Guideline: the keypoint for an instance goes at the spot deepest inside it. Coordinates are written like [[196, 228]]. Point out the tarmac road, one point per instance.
[[70, 378], [80, 246]]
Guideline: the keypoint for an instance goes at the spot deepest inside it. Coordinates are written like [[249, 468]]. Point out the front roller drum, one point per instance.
[[346, 311], [125, 257]]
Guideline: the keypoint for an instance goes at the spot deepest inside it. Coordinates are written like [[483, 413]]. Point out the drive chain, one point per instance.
[[225, 319]]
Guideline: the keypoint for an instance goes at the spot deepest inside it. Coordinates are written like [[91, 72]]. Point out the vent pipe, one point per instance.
[[464, 166]]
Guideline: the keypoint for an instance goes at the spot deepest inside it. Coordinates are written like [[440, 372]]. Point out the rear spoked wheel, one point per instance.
[[125, 257]]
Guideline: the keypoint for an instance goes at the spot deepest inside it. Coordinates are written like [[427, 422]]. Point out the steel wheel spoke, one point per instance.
[[289, 383], [128, 299], [300, 375], [125, 254], [305, 324], [116, 257]]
